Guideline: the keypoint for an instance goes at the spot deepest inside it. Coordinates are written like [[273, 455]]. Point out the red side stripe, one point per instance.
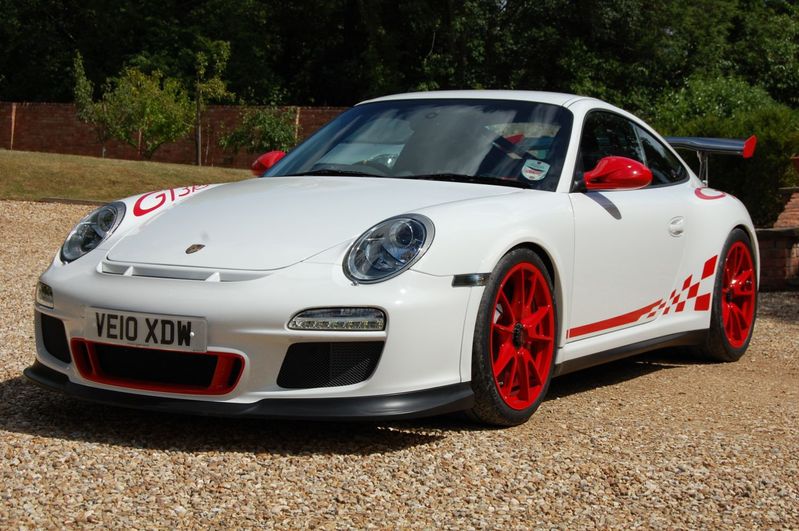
[[613, 322]]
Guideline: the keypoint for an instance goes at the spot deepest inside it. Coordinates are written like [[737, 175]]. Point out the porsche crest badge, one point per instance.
[[194, 248]]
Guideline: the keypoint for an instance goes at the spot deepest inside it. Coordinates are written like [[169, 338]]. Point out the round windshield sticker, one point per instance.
[[535, 170]]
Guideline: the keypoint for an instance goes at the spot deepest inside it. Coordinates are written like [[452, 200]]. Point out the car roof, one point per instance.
[[553, 98]]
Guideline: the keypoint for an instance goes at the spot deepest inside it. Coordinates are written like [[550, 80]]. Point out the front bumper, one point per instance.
[[430, 402], [423, 368]]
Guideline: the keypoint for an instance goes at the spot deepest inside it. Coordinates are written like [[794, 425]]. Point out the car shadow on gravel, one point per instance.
[[25, 408], [28, 409], [604, 375], [622, 370]]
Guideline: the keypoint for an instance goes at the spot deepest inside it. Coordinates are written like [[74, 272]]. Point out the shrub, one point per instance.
[[756, 181], [148, 110], [260, 130], [730, 108]]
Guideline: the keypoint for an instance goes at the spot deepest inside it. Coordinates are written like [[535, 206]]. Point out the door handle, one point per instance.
[[677, 226]]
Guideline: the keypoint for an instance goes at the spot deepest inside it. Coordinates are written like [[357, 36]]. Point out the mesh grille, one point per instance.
[[54, 338], [308, 365]]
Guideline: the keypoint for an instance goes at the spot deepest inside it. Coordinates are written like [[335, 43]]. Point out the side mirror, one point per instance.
[[617, 173], [266, 161]]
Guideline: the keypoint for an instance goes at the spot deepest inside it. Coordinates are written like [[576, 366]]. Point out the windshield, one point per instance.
[[514, 143]]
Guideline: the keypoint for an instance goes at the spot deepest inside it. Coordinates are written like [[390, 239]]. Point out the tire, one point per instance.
[[514, 339], [732, 316]]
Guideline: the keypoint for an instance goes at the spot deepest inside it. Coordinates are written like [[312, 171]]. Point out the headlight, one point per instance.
[[92, 230], [388, 248]]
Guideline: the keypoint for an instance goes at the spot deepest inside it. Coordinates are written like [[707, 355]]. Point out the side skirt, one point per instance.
[[682, 339]]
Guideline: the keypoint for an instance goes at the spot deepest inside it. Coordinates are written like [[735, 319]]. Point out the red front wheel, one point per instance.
[[514, 343], [734, 300]]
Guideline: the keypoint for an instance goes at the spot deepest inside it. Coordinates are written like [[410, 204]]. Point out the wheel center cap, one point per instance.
[[519, 335]]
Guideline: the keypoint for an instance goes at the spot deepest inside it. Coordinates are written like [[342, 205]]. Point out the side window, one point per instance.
[[666, 168], [605, 135]]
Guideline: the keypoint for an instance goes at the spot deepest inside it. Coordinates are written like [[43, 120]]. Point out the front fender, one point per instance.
[[472, 236]]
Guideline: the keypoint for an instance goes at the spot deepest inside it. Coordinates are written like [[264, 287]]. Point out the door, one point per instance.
[[628, 243]]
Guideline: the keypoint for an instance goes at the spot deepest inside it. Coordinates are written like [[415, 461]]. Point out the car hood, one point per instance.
[[270, 223]]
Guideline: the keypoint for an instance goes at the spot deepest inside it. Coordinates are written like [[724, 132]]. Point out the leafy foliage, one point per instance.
[[682, 111], [342, 51], [765, 45], [210, 63], [260, 130]]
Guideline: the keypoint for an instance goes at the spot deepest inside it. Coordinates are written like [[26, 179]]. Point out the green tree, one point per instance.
[[262, 129], [210, 62], [147, 110], [94, 113]]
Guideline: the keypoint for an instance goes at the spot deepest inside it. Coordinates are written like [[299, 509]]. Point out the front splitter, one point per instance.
[[416, 404]]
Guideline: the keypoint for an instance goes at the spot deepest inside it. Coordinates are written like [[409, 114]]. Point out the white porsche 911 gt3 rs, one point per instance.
[[420, 254]]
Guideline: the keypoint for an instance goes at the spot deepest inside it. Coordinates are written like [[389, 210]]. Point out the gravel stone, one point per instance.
[[661, 441]]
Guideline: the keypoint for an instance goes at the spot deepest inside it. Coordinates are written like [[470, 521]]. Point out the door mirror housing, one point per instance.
[[266, 161], [617, 173]]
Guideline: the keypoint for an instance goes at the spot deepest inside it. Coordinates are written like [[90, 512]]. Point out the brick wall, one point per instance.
[[790, 214], [779, 259], [54, 128]]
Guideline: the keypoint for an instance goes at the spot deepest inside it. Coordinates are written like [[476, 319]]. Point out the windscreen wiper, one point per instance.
[[331, 171], [462, 178]]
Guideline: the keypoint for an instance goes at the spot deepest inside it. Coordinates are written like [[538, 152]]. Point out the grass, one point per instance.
[[33, 176]]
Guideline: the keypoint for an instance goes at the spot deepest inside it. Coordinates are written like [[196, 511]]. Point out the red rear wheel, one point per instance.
[[515, 338], [738, 294], [734, 300]]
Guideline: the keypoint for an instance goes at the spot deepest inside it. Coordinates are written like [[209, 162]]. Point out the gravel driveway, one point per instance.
[[660, 441]]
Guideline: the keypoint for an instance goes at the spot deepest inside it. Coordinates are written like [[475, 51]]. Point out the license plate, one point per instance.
[[146, 330]]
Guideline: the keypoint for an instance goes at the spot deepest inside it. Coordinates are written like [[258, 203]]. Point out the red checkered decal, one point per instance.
[[688, 296]]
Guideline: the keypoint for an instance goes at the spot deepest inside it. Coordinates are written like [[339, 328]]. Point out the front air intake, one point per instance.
[[309, 365], [54, 337]]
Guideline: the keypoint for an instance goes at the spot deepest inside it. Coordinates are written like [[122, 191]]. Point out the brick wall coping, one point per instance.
[[777, 234]]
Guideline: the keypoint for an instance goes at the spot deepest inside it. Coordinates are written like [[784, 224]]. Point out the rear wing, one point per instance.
[[704, 147]]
